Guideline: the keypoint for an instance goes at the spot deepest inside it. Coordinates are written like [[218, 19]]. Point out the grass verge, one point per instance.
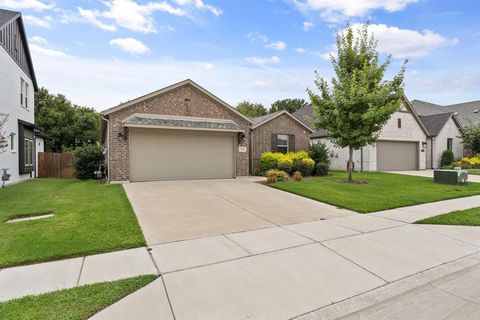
[[469, 217]]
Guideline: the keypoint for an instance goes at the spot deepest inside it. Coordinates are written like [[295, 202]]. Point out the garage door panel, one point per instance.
[[397, 155], [175, 155]]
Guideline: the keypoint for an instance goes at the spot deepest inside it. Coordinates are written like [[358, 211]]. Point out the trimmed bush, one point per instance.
[[276, 175], [283, 162], [87, 160], [297, 176], [268, 161], [446, 158], [285, 165], [321, 169], [319, 153], [305, 166]]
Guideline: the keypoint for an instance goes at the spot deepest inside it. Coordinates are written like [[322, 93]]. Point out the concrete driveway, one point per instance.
[[179, 210]]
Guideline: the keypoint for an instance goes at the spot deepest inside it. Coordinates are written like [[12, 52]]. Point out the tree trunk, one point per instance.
[[350, 163]]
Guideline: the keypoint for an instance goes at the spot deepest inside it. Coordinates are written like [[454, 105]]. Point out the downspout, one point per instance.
[[108, 148], [431, 152], [250, 153], [361, 159]]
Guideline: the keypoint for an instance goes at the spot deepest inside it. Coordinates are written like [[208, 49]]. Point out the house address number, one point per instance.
[[242, 149]]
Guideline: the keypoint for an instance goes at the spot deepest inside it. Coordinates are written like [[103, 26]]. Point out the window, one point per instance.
[[28, 156], [26, 95], [282, 143], [12, 142], [449, 144], [22, 93], [399, 123]]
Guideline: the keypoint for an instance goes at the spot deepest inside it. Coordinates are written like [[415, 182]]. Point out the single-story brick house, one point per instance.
[[185, 132], [406, 142]]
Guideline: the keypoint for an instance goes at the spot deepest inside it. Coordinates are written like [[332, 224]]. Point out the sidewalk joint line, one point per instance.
[[81, 269], [168, 297]]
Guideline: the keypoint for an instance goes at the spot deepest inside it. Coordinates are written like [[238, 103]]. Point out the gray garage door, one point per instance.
[[397, 156], [178, 155]]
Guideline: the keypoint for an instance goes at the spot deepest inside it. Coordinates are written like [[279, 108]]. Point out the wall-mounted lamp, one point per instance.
[[424, 144], [121, 136]]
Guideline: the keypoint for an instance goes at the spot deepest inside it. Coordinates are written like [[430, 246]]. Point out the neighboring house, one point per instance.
[[402, 143], [278, 132], [185, 132], [17, 87], [467, 113]]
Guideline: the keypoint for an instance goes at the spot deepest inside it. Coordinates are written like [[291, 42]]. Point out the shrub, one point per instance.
[[280, 161], [294, 156], [87, 160], [321, 169], [276, 175], [305, 166], [447, 158], [297, 176], [319, 153], [268, 161], [285, 165]]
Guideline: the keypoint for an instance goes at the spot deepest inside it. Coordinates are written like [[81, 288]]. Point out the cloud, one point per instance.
[[90, 17], [42, 51], [130, 45], [200, 5], [38, 40], [206, 65], [340, 10], [279, 45], [307, 25], [300, 50], [257, 36], [36, 21], [26, 4], [263, 60], [317, 54]]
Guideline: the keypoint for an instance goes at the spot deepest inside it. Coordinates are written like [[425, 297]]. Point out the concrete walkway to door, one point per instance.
[[180, 210]]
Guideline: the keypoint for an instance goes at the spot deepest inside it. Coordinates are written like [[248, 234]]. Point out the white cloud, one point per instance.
[[263, 60], [257, 36], [130, 45], [307, 25], [279, 45], [38, 40], [35, 48], [300, 50], [339, 10], [206, 65], [405, 43], [200, 5], [36, 21], [317, 54], [26, 4], [129, 14]]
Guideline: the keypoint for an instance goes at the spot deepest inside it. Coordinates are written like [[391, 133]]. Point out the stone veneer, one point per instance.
[[171, 103], [283, 124]]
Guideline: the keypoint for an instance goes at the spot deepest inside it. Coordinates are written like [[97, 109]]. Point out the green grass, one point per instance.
[[72, 304], [383, 191], [470, 217], [474, 171], [89, 217]]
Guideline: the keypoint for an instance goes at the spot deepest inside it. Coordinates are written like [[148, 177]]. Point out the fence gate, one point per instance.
[[55, 165]]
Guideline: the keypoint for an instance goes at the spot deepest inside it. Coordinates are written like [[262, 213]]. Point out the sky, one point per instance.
[[102, 53]]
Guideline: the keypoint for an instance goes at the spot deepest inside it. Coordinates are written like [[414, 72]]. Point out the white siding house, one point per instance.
[[17, 87]]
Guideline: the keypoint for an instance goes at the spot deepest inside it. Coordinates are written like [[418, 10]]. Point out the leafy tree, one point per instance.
[[67, 124], [87, 160], [251, 109], [291, 105], [360, 102], [471, 138], [3, 137]]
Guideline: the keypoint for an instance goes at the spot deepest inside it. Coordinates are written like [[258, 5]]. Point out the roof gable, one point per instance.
[[173, 87], [259, 121], [435, 123]]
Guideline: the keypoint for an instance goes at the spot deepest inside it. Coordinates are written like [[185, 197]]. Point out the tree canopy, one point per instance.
[[251, 109], [471, 138], [291, 105], [360, 101], [68, 125]]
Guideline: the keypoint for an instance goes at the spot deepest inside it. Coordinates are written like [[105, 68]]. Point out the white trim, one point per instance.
[[279, 114], [147, 126], [172, 87]]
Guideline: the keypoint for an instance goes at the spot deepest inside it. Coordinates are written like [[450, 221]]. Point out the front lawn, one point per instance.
[[383, 191], [474, 171], [74, 304], [470, 217], [89, 217]]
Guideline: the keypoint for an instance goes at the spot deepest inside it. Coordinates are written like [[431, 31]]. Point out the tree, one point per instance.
[[3, 137], [471, 138], [291, 105], [360, 102], [67, 124], [251, 109]]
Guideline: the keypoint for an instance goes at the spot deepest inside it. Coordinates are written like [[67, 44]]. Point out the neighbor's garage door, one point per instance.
[[397, 156], [178, 154]]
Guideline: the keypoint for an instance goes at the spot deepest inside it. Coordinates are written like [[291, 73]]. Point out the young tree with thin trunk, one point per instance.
[[3, 136], [360, 101]]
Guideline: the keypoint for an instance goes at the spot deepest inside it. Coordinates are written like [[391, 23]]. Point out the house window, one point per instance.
[[28, 149], [22, 92], [12, 142], [27, 87], [282, 143], [450, 144], [399, 123]]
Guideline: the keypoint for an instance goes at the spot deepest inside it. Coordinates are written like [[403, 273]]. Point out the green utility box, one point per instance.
[[452, 177]]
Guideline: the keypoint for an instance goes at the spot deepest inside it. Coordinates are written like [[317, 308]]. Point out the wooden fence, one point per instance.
[[55, 165]]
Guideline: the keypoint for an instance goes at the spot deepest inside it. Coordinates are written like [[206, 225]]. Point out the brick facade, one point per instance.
[[172, 102], [283, 124]]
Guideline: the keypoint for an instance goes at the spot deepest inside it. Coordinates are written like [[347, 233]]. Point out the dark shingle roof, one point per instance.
[[435, 122], [6, 16], [183, 122], [305, 115], [257, 120], [467, 113]]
